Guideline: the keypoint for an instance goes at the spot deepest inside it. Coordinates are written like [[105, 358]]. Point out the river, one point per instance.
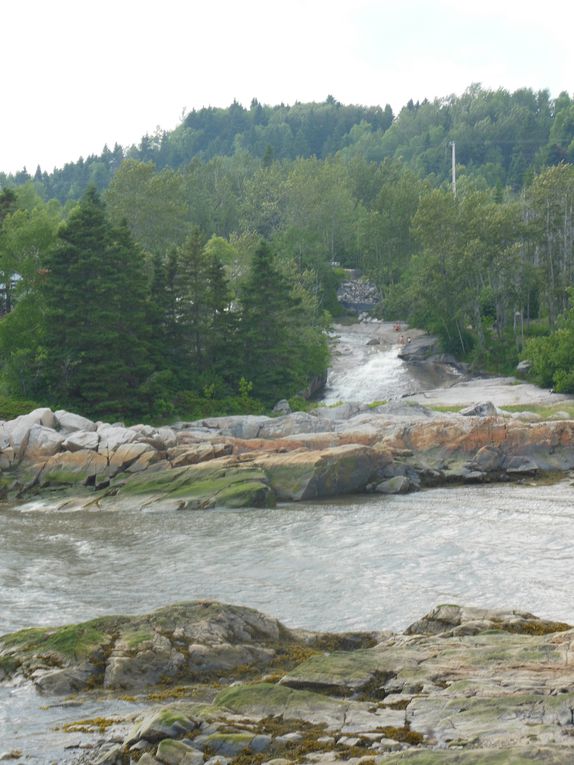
[[356, 563]]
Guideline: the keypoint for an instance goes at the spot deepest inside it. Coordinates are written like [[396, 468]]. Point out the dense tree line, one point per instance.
[[503, 138], [486, 270], [98, 325]]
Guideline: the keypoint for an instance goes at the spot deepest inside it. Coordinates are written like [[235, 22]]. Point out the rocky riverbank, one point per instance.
[[255, 461], [461, 685]]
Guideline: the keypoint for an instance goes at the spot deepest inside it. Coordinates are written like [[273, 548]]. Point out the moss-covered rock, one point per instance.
[[511, 756], [205, 485], [162, 723]]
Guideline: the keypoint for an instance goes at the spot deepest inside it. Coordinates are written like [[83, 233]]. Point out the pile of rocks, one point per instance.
[[357, 295]]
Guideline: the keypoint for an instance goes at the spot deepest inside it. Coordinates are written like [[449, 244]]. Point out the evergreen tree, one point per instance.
[[95, 332], [192, 306], [281, 351]]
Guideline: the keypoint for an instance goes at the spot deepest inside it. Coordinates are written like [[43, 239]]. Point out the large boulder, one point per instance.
[[68, 422], [83, 467], [42, 443], [82, 439], [15, 433], [311, 474], [112, 436]]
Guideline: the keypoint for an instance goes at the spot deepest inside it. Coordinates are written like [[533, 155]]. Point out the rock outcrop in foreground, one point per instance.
[[255, 461], [462, 685]]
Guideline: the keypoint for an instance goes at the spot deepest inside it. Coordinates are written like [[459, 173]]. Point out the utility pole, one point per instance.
[[453, 163]]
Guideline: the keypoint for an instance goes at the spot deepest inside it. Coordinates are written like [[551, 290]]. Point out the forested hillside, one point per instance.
[[501, 137], [198, 270]]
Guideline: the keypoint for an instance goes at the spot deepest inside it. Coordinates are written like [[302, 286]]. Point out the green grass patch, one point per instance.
[[545, 411], [446, 408]]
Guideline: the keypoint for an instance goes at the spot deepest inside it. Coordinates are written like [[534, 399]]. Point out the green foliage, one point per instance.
[[94, 330], [13, 407], [283, 348], [190, 406]]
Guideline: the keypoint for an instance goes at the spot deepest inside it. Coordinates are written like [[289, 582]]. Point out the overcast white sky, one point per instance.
[[77, 75]]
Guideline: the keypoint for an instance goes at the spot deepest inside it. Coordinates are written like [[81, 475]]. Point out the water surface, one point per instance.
[[358, 563]]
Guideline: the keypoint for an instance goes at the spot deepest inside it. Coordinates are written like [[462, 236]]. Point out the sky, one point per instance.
[[78, 75]]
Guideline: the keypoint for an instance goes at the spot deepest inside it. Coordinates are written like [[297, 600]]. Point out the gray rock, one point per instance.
[[445, 618], [69, 422], [403, 408], [521, 464], [113, 436], [238, 426], [167, 437], [159, 724], [294, 424], [82, 439], [400, 484], [488, 459], [343, 411], [523, 367], [113, 756], [156, 660], [290, 738], [484, 409], [16, 432], [42, 442], [147, 759], [172, 752], [419, 349], [145, 430], [64, 681], [282, 407], [260, 743]]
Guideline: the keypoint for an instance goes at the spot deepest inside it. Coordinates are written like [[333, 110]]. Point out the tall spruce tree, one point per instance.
[[275, 331], [95, 330]]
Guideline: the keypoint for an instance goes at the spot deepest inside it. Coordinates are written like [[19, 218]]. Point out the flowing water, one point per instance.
[[364, 373], [356, 563]]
